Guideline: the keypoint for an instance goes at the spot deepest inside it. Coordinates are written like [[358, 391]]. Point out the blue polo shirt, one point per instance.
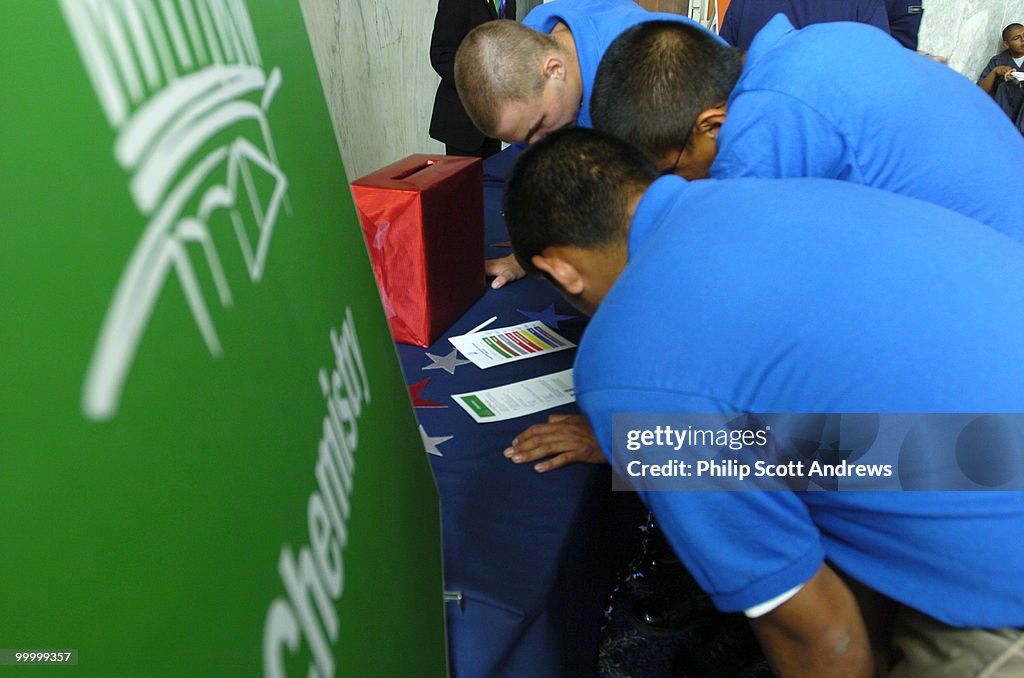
[[807, 295], [745, 18], [882, 116], [594, 24]]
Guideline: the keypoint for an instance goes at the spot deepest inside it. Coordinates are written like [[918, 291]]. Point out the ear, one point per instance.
[[553, 66], [709, 121], [558, 268]]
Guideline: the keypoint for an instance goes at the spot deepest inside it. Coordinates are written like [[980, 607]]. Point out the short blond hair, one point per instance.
[[499, 62]]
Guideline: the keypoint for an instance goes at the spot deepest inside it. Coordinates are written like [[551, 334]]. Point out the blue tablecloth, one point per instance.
[[532, 554]]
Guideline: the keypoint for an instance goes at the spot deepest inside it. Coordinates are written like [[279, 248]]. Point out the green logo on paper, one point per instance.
[[478, 406]]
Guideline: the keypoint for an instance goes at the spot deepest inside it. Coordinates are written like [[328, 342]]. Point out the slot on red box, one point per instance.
[[422, 218]]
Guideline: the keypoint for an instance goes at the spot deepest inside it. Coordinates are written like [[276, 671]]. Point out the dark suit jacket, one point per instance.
[[905, 21], [455, 18]]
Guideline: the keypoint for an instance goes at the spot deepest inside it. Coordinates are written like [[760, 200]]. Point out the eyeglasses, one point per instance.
[[679, 156], [675, 165]]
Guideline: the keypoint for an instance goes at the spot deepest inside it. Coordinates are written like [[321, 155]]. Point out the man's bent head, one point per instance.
[[515, 83], [662, 85], [568, 204]]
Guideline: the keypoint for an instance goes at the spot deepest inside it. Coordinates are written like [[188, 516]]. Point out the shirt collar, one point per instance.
[[774, 32], [655, 205]]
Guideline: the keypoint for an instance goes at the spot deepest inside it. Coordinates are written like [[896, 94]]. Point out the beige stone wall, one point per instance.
[[375, 68]]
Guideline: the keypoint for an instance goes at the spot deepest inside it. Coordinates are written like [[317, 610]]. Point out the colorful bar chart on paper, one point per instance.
[[497, 346]]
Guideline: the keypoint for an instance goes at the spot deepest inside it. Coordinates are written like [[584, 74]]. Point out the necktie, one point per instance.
[[499, 7]]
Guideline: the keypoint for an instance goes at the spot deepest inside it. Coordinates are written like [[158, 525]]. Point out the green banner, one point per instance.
[[208, 461]]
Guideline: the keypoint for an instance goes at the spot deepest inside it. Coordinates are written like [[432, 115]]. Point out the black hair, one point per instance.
[[1010, 27], [656, 78], [574, 187]]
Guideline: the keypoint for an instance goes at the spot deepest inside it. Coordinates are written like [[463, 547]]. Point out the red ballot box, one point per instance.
[[423, 220]]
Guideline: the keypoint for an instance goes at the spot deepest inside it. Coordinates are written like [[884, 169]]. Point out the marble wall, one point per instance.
[[375, 69], [374, 65]]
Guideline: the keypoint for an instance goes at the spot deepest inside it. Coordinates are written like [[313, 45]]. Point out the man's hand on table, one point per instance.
[[505, 270], [565, 438]]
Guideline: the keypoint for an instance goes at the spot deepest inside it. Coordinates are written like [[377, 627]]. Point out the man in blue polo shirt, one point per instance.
[[791, 108], [798, 295], [519, 82]]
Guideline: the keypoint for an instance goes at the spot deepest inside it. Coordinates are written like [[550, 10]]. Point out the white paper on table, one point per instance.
[[501, 345], [518, 399]]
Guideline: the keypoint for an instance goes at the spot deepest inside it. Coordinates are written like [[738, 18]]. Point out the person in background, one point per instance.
[[744, 18], [449, 123], [905, 21], [1002, 76], [798, 295]]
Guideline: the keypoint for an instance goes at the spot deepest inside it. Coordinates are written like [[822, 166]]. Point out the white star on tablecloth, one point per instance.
[[430, 443], [447, 363]]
